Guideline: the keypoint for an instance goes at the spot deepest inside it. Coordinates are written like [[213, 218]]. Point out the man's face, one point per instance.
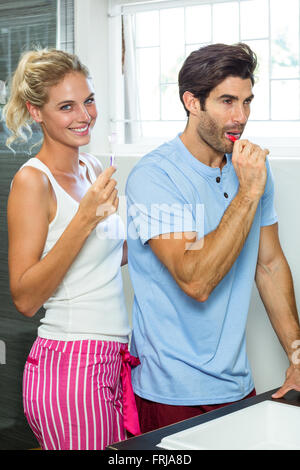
[[227, 109]]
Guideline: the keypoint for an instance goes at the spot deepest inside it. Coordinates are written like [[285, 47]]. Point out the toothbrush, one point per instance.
[[112, 139], [232, 137]]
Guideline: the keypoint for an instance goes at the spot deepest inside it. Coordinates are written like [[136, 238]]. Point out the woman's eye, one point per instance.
[[90, 101], [66, 107]]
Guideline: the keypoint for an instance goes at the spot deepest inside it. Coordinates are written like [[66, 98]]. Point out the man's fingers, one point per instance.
[[282, 391], [249, 153], [240, 144]]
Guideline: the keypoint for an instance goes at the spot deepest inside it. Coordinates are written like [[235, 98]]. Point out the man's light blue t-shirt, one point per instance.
[[191, 352]]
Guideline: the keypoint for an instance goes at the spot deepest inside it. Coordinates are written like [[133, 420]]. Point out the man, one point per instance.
[[193, 275]]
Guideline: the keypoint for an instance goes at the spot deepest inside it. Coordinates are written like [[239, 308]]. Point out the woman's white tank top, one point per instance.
[[89, 303]]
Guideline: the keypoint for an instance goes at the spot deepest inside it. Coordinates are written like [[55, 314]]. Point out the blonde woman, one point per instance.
[[61, 214]]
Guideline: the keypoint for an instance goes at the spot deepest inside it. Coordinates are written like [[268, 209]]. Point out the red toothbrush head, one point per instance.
[[231, 137]]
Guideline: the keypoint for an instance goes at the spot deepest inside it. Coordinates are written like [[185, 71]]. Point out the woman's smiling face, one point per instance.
[[70, 112]]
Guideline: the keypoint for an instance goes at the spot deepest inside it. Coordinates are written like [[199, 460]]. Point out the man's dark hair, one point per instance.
[[208, 66]]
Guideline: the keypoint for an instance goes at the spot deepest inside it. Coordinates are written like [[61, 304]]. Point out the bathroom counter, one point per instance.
[[150, 440]]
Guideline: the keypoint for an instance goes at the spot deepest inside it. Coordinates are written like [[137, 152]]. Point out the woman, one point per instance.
[[61, 214]]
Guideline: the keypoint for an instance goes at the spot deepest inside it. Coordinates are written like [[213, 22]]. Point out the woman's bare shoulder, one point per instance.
[[30, 179], [96, 164]]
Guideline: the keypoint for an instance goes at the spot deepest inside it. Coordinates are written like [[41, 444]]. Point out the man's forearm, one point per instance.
[[275, 286], [205, 267]]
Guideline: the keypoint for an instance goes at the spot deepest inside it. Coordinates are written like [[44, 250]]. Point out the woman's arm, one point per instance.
[[32, 279]]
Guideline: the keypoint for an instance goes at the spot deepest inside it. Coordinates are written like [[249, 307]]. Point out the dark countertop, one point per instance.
[[148, 441]]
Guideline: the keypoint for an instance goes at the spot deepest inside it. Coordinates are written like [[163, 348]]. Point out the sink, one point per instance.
[[267, 425]]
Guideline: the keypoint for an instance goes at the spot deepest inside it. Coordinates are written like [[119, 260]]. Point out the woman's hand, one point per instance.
[[100, 201]]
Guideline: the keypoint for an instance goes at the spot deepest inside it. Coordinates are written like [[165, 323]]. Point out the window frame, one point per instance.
[[279, 146]]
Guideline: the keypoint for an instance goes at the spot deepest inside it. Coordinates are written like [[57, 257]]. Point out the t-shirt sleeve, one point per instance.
[[156, 205], [268, 211]]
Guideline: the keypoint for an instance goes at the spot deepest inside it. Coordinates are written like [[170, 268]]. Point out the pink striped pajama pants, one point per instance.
[[72, 394]]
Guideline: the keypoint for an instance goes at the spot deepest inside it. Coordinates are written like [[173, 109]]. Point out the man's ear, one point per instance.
[[191, 103], [34, 111]]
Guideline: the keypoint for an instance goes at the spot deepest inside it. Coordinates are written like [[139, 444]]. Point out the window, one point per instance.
[[65, 30], [25, 24], [159, 35]]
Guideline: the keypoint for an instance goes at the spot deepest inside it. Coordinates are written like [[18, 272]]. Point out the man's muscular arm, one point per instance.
[[275, 285], [198, 267]]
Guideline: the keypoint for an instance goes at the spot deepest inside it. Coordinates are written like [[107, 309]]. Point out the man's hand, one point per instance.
[[292, 382], [249, 161]]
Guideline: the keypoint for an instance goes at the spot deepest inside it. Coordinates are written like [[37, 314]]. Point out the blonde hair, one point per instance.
[[36, 72]]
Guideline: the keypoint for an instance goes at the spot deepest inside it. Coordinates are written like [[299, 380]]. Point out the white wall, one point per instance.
[[92, 47], [266, 355]]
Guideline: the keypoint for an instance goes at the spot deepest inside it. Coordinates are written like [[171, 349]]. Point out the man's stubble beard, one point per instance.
[[211, 134]]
